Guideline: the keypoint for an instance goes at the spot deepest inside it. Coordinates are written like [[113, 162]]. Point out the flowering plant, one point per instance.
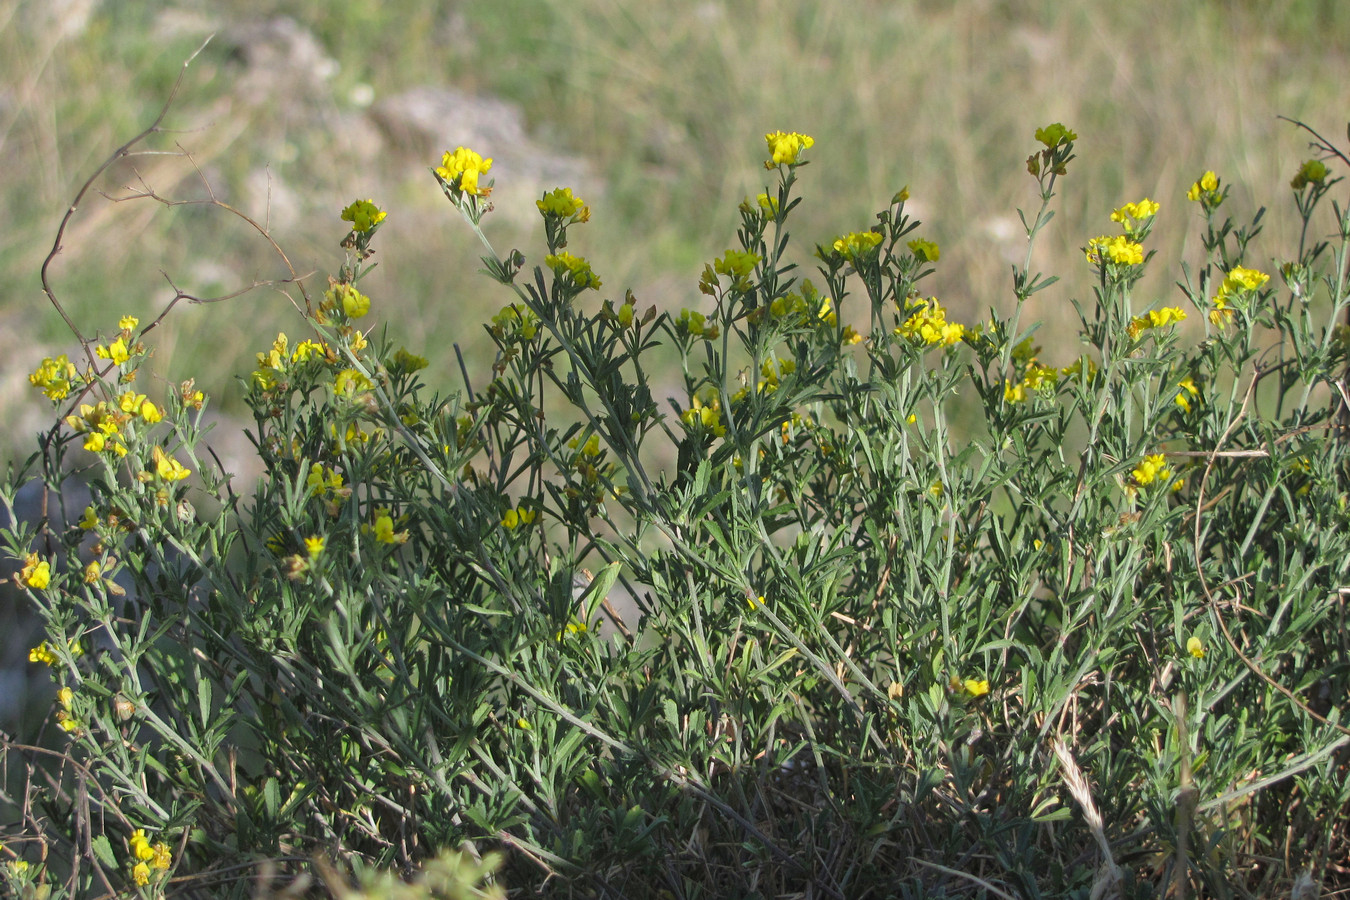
[[856, 611]]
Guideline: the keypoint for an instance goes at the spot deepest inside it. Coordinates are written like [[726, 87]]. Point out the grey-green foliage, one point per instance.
[[860, 629]]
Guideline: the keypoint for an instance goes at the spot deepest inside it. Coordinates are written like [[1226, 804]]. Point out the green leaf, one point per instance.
[[204, 700], [271, 797], [104, 851], [598, 590]]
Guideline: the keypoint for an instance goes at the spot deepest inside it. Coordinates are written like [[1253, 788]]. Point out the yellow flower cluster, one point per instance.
[[1188, 390], [1152, 469], [463, 169], [1235, 283], [1054, 135], [36, 572], [1314, 171], [773, 370], [1205, 191], [736, 264], [157, 857], [514, 321], [924, 251], [705, 414], [354, 303], [560, 204], [117, 351], [928, 325], [166, 467], [322, 481], [276, 362], [55, 377], [1132, 214], [364, 215], [576, 626], [575, 268], [856, 243], [383, 529], [517, 517], [68, 723], [101, 423], [694, 323], [137, 405], [350, 382], [46, 654], [1119, 250], [1037, 376], [1155, 318], [590, 448], [785, 147]]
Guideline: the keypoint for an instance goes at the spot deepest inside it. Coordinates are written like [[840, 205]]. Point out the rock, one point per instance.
[[427, 121]]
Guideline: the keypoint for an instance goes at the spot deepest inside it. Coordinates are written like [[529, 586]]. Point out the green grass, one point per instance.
[[669, 102]]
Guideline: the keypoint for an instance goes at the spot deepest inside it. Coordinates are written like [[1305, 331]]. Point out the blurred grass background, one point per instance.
[[660, 106]]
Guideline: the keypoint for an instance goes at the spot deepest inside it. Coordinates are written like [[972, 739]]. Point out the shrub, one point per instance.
[[917, 608]]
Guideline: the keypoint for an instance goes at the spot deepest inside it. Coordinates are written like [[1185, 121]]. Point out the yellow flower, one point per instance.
[[354, 303], [463, 169], [127, 323], [785, 147], [737, 264], [561, 204], [1205, 190], [162, 858], [140, 845], [926, 251], [1155, 318], [1220, 314], [141, 873], [768, 204], [384, 529], [55, 377], [975, 687], [1188, 390], [150, 413], [116, 351], [314, 546], [1152, 468], [351, 381], [756, 603], [130, 402], [1195, 647], [310, 348], [855, 244], [364, 215], [90, 520], [928, 325], [517, 517], [1132, 213], [167, 468], [574, 267], [43, 654], [1239, 281], [36, 573], [1119, 249], [1314, 171], [694, 323], [1054, 135]]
